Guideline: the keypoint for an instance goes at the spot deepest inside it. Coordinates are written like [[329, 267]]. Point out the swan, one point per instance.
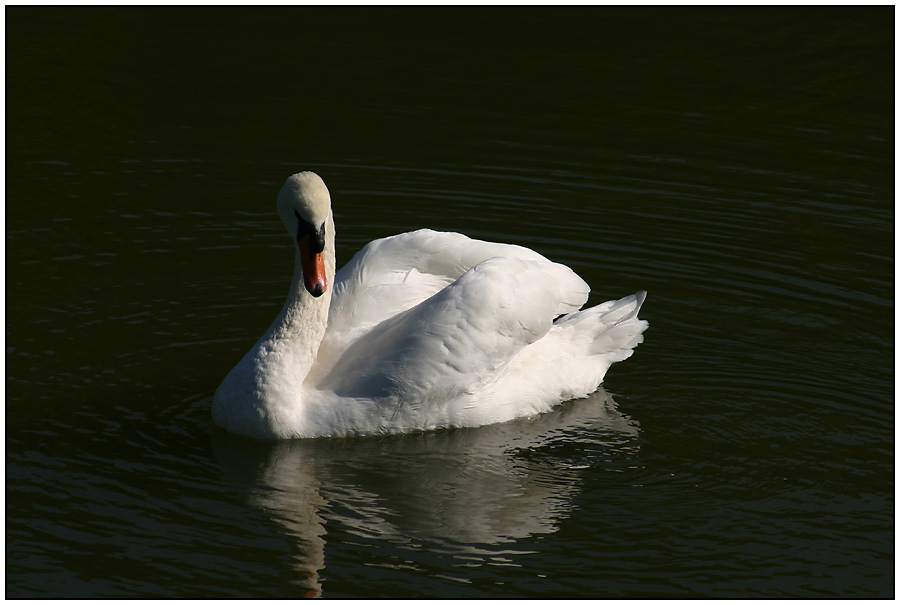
[[418, 331]]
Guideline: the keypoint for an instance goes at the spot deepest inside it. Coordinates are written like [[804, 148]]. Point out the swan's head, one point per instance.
[[304, 205]]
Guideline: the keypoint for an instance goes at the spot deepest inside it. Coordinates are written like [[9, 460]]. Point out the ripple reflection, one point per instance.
[[467, 489]]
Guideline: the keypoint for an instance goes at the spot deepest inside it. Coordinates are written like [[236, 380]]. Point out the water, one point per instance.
[[735, 163]]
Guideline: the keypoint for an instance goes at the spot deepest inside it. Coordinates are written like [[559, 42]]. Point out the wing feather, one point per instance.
[[458, 338], [389, 276]]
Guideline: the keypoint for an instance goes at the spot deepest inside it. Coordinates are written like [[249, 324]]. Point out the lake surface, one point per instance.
[[738, 164]]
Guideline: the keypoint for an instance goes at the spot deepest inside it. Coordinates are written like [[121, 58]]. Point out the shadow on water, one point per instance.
[[470, 490]]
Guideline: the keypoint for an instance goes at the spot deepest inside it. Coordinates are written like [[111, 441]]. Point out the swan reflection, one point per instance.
[[463, 488]]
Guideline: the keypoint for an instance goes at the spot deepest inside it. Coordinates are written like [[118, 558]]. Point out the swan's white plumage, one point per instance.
[[424, 330]]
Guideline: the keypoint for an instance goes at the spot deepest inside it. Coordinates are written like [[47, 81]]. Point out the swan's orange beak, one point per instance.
[[313, 265], [311, 246]]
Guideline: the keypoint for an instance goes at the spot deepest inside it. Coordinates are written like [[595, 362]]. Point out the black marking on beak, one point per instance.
[[316, 235]]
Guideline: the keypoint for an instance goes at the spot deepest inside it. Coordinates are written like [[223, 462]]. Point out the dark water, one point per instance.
[[736, 163]]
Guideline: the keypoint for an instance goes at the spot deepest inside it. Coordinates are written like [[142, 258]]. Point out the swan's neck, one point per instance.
[[297, 332], [303, 318], [263, 393]]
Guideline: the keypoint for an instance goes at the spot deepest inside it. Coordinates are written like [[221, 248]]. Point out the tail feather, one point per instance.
[[620, 330], [611, 328], [572, 359]]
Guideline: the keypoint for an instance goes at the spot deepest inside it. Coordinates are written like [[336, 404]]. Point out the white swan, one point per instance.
[[419, 331]]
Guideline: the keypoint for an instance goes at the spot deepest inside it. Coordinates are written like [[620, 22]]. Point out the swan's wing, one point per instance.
[[459, 338], [391, 275]]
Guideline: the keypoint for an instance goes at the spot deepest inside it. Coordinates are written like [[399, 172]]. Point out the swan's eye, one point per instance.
[[316, 235]]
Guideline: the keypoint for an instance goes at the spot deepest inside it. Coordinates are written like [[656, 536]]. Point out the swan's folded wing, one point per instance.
[[392, 275], [464, 335]]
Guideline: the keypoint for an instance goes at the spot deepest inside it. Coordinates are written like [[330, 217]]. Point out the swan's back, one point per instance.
[[391, 275]]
